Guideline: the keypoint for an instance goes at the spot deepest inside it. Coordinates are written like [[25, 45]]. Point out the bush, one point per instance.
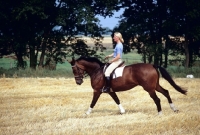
[[181, 72]]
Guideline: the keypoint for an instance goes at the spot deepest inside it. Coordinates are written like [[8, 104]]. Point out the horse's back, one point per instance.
[[142, 73], [141, 67]]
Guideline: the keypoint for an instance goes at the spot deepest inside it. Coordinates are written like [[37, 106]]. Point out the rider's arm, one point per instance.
[[116, 58], [111, 55]]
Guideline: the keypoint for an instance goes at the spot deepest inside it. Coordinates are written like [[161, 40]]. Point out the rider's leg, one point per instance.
[[106, 88], [108, 71]]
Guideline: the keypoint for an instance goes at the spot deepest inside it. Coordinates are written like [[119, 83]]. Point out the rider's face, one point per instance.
[[115, 38]]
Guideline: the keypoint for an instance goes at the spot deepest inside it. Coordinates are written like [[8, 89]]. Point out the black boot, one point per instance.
[[106, 88]]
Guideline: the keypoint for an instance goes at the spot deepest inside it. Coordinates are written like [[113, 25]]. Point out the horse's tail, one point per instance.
[[167, 77]]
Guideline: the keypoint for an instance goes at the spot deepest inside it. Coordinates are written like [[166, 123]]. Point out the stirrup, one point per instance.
[[106, 90]]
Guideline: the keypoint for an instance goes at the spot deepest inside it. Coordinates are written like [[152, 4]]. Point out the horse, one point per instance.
[[143, 74]]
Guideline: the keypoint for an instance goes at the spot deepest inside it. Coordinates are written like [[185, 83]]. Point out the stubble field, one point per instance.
[[56, 106]]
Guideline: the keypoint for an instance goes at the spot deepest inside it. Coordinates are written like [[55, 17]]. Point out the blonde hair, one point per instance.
[[119, 35]]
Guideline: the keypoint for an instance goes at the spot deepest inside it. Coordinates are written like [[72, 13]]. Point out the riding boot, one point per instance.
[[106, 88]]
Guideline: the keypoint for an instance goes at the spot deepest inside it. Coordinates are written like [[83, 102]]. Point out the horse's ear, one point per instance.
[[70, 61]]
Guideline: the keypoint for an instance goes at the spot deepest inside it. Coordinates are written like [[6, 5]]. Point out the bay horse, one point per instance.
[[145, 75]]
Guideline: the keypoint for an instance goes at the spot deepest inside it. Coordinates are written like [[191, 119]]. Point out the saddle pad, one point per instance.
[[118, 72]]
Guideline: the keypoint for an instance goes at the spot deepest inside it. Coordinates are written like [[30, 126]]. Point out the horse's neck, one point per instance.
[[92, 69]]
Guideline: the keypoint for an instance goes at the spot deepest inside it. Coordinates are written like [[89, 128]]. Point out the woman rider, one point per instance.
[[115, 61]]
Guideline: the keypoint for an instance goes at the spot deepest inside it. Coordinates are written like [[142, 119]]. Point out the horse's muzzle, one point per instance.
[[79, 82]]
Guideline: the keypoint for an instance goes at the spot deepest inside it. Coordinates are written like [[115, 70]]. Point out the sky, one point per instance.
[[110, 22]]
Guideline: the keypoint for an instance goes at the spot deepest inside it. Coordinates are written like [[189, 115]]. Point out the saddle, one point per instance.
[[113, 72]]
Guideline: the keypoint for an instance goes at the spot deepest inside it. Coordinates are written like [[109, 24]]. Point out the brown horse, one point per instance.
[[145, 75]]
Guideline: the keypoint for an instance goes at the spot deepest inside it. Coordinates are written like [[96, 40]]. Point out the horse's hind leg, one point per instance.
[[116, 99], [156, 100], [166, 94], [96, 96]]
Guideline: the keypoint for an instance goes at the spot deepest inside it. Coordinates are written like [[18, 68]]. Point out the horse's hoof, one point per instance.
[[176, 111], [87, 113], [160, 113], [122, 112]]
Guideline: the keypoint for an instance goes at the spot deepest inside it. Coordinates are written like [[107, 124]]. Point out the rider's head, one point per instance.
[[118, 36]]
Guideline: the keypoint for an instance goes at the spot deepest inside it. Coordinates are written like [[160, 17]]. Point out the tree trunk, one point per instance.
[[144, 54], [41, 62], [161, 60], [156, 60], [33, 55], [166, 58], [166, 51], [20, 61], [150, 58], [144, 57], [191, 54], [187, 55]]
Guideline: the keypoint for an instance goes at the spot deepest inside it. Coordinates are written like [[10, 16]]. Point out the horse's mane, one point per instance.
[[91, 59]]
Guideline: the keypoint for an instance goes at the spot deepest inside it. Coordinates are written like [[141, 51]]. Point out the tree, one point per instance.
[[155, 20], [145, 18], [26, 26], [186, 15]]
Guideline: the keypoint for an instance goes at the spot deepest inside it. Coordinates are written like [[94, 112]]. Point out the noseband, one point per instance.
[[80, 75]]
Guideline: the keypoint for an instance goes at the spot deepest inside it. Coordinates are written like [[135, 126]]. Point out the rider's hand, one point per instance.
[[107, 56], [110, 61]]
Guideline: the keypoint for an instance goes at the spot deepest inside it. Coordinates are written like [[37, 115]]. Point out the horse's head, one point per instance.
[[84, 65], [77, 71]]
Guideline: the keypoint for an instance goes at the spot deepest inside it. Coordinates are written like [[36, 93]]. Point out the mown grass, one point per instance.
[[57, 106]]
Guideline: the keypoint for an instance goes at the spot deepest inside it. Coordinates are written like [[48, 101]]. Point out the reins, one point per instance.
[[85, 74]]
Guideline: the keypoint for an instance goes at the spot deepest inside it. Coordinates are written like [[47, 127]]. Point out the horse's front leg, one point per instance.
[[96, 95], [116, 99]]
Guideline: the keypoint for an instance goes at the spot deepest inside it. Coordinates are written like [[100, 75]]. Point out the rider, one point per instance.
[[116, 60]]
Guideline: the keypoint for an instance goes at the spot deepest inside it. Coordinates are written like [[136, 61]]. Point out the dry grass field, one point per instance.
[[57, 106]]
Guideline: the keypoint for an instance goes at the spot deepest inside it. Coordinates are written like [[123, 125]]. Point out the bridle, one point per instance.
[[80, 75]]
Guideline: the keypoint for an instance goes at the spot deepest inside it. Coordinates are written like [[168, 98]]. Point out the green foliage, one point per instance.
[[158, 19], [26, 27], [80, 48], [63, 70], [8, 69], [181, 72]]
